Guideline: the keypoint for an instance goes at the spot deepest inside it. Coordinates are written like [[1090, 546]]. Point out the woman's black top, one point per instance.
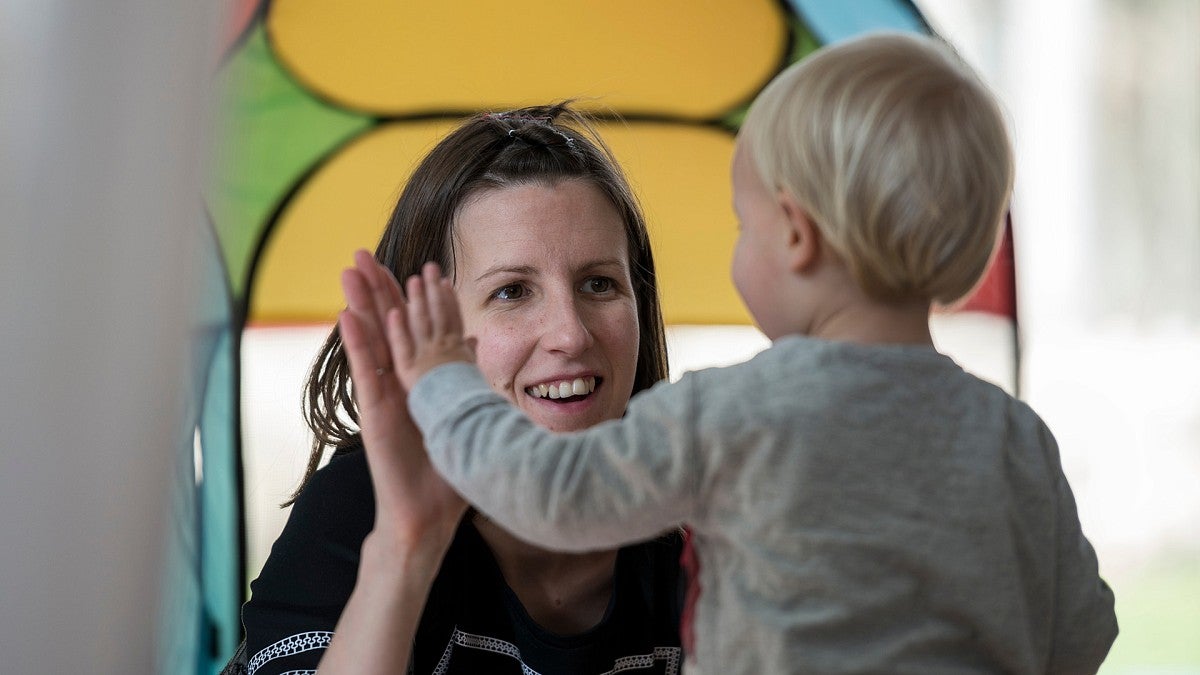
[[473, 622]]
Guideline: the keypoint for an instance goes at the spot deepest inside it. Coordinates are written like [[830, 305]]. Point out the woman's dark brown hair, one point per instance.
[[541, 144]]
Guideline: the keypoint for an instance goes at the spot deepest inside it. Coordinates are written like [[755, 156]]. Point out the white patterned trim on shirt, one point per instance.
[[488, 644], [301, 642], [668, 654], [624, 664]]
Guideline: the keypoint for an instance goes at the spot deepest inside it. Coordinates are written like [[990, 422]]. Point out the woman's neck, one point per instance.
[[565, 593]]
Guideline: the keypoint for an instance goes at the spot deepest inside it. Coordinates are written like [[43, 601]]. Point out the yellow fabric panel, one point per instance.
[[680, 172], [687, 59], [343, 206]]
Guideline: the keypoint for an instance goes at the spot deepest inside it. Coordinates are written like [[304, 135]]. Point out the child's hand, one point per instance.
[[426, 330]]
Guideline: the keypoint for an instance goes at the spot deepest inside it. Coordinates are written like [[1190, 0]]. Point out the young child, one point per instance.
[[856, 501]]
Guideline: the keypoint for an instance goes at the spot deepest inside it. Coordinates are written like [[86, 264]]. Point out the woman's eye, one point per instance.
[[509, 292], [598, 285]]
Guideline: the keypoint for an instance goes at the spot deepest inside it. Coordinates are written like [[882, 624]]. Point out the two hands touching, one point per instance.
[[421, 333], [390, 343]]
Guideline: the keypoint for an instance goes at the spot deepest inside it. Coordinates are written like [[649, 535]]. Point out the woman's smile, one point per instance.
[[564, 390]]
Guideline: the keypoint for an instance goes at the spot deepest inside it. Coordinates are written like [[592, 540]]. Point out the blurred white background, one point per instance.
[[1104, 97]]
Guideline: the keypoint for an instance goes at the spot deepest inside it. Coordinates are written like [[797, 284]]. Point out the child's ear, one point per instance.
[[803, 239]]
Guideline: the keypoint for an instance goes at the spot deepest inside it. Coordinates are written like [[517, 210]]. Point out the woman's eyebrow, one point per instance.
[[529, 270], [605, 262], [520, 270]]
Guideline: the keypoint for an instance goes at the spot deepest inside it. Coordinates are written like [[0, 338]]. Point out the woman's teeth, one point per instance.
[[580, 386]]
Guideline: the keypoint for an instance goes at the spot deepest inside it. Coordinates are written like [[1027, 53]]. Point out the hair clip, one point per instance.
[[510, 115], [540, 121]]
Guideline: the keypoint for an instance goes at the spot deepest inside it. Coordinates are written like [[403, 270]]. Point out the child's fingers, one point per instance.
[[431, 276], [450, 300], [418, 309], [400, 340]]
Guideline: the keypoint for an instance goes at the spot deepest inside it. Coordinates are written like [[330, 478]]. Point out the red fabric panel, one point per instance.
[[998, 292]]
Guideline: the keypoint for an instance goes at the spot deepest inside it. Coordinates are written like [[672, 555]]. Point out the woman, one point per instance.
[[549, 254]]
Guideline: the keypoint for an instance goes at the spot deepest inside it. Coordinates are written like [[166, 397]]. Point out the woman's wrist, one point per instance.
[[374, 634], [415, 558]]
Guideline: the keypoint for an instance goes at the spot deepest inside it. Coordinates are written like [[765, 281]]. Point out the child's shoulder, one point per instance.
[[806, 372], [814, 359], [835, 354]]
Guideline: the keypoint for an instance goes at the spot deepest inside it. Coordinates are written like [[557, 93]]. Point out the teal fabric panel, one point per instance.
[[179, 640], [220, 522], [203, 579]]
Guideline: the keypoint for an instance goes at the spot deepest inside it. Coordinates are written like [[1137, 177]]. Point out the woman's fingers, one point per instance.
[[395, 295], [380, 281], [361, 303], [382, 299], [364, 369], [354, 288]]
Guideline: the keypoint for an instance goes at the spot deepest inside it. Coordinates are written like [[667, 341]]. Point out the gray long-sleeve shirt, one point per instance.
[[854, 508]]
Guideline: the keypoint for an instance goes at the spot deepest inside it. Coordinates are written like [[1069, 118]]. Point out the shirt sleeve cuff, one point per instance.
[[442, 390]]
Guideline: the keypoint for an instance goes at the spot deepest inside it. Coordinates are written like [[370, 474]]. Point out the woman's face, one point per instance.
[[542, 275]]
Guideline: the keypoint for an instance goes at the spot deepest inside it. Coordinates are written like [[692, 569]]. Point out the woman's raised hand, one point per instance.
[[412, 501]]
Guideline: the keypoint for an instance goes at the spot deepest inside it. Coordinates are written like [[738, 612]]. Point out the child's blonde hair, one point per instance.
[[899, 154]]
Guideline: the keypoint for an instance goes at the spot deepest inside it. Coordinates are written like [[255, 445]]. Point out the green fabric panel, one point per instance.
[[803, 41], [269, 132]]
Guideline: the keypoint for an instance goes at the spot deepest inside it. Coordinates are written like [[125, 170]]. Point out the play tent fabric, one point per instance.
[[324, 107]]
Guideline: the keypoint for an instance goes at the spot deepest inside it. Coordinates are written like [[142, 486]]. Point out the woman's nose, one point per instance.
[[565, 329]]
